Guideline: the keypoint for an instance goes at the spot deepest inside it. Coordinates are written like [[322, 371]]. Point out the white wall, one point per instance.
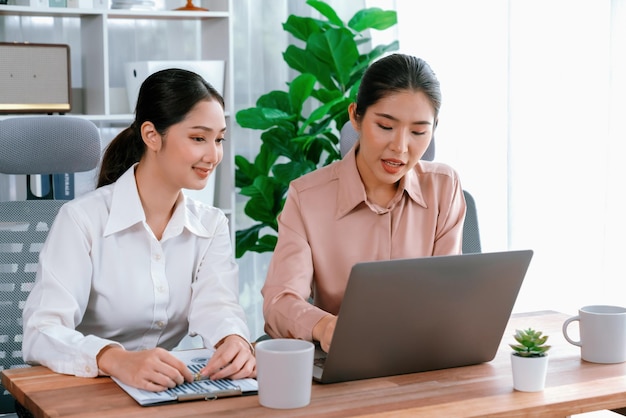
[[531, 119], [467, 49]]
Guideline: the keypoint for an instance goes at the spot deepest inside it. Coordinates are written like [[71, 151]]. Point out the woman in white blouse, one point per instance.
[[131, 268]]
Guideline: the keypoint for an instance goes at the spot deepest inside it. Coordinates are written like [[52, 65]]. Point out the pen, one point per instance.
[[197, 376]]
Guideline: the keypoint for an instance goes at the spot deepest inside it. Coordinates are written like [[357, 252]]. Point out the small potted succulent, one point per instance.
[[529, 360]]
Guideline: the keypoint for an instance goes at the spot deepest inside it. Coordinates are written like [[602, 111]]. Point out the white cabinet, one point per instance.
[[102, 40]]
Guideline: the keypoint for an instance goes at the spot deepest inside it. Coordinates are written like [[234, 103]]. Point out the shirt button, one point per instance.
[[157, 257], [160, 324], [160, 289], [88, 369]]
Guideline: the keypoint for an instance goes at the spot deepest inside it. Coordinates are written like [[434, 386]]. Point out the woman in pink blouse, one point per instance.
[[379, 202]]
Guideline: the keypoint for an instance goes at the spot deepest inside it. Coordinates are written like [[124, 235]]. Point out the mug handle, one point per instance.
[[566, 324]]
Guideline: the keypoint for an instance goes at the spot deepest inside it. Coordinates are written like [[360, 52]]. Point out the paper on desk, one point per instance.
[[195, 360]]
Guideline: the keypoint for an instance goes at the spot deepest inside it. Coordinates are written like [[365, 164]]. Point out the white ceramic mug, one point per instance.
[[602, 333], [284, 372]]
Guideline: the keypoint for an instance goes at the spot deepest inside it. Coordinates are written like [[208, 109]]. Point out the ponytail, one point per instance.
[[125, 150]]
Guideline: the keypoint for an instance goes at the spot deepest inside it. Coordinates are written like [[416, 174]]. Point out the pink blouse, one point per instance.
[[327, 225]]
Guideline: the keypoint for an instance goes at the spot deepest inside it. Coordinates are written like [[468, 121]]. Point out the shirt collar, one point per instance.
[[411, 184], [351, 191], [185, 217], [126, 210]]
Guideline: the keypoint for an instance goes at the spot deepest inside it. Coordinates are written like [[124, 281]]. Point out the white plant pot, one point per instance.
[[529, 373]]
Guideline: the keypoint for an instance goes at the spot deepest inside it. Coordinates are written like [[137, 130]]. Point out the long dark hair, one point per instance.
[[394, 73], [164, 99]]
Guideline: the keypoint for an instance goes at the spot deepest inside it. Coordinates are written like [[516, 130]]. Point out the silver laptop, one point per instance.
[[412, 315]]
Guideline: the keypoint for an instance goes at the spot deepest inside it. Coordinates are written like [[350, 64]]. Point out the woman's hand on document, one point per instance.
[[154, 370], [233, 358], [323, 331]]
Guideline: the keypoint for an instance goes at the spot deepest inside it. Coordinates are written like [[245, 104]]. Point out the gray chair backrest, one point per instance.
[[33, 145], [471, 232]]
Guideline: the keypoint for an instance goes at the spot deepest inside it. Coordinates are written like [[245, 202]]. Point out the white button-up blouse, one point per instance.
[[103, 278]]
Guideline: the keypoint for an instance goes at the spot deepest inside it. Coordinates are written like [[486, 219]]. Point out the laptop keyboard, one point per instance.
[[319, 362]]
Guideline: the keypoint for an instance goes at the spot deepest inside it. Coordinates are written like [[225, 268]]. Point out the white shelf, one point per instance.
[[105, 119], [111, 13], [165, 14], [9, 10]]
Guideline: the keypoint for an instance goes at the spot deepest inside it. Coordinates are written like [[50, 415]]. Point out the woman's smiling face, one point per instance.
[[394, 134], [192, 148]]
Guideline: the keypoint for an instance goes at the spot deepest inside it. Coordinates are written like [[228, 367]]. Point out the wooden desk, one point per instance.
[[572, 386]]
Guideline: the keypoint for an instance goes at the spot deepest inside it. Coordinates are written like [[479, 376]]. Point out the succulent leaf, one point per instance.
[[531, 343]]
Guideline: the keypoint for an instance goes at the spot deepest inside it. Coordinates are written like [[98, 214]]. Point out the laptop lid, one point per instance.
[[412, 315]]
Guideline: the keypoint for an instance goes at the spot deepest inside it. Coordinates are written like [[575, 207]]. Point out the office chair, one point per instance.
[[471, 232], [33, 145]]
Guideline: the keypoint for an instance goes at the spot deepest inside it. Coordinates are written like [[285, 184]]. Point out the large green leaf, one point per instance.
[[279, 140], [256, 209], [328, 142], [339, 106], [275, 100], [319, 113], [302, 27], [373, 18], [307, 141], [326, 11], [325, 96], [379, 51], [365, 60], [335, 48], [246, 238], [245, 173], [265, 159], [315, 149], [251, 118], [261, 187], [292, 170], [302, 61], [300, 90], [266, 243], [339, 112], [261, 117]]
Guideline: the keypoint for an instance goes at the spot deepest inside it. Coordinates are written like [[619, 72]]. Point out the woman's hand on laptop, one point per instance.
[[323, 331]]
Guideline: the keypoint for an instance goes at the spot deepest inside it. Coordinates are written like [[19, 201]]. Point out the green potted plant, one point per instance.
[[301, 125], [529, 360]]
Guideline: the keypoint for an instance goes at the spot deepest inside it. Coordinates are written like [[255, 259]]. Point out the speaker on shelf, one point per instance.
[[35, 78]]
